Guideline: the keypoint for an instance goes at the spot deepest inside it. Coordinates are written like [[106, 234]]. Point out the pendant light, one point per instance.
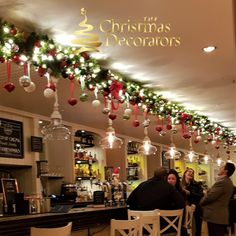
[[206, 159], [172, 153], [110, 141], [191, 156], [55, 130], [147, 148], [219, 161]]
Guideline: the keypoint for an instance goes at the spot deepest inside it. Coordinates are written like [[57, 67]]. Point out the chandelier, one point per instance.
[[147, 148], [110, 141], [172, 153], [55, 130]]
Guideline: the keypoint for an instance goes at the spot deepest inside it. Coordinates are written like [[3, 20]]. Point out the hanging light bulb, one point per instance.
[[147, 148], [110, 141], [56, 130], [191, 156], [172, 153]]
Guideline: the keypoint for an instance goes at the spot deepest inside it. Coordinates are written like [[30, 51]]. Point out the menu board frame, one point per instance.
[[11, 138], [164, 162], [8, 195]]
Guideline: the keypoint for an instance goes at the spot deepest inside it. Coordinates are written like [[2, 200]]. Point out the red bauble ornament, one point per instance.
[[41, 71], [112, 116], [2, 59], [196, 141], [85, 55], [209, 139], [13, 31], [91, 87], [51, 86], [186, 136], [16, 59], [71, 76], [168, 127], [37, 44], [9, 87], [217, 147], [76, 65], [72, 101], [159, 128], [136, 123], [105, 93]]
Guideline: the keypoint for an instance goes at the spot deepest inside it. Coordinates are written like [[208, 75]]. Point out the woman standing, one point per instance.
[[194, 193]]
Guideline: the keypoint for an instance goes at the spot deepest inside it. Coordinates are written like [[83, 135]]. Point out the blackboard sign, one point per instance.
[[36, 144], [11, 138], [165, 162], [10, 188], [98, 197]]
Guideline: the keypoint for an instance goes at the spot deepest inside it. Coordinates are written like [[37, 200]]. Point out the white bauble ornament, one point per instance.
[[105, 110], [128, 111], [96, 103], [199, 137], [24, 81], [48, 93], [31, 88], [213, 142], [162, 133]]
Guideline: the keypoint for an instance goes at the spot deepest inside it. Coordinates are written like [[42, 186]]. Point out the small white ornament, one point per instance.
[[128, 111], [105, 110], [24, 81], [213, 142], [199, 137], [31, 88], [96, 103], [49, 93]]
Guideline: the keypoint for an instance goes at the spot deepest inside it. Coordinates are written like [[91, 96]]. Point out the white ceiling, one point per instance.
[[202, 82]]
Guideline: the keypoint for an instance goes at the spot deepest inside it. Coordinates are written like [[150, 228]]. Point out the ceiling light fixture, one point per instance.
[[209, 49], [110, 141], [55, 130], [206, 159], [147, 148], [172, 153], [191, 156]]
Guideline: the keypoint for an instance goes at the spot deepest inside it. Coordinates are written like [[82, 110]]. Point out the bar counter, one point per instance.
[[82, 218]]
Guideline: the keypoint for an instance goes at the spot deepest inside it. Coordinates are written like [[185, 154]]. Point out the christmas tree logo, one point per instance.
[[86, 40]]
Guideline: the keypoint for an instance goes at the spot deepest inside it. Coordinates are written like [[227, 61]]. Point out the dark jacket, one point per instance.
[[155, 194]]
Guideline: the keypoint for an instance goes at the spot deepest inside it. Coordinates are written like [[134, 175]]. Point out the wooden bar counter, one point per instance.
[[82, 218]]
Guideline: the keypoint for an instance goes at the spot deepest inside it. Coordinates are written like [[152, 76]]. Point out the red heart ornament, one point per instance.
[[112, 116], [72, 101], [168, 127], [136, 123], [158, 128], [9, 87]]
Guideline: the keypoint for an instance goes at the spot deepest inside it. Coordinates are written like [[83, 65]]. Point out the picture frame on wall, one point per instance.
[[11, 138], [165, 162]]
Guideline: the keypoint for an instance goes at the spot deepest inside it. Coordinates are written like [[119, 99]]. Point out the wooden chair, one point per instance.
[[170, 219], [148, 221], [59, 231], [125, 227], [188, 221]]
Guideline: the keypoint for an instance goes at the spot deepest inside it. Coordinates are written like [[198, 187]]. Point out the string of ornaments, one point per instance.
[[38, 52]]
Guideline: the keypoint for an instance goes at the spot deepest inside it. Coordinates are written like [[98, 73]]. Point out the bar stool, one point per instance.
[[188, 221], [125, 227], [59, 231]]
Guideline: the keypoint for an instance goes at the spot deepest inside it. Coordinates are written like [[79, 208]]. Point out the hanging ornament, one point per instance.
[[13, 31], [72, 101], [85, 55], [71, 76], [106, 110], [126, 116], [159, 128], [16, 59], [174, 130], [112, 116], [2, 59], [128, 111], [162, 133], [136, 123], [24, 81], [31, 88], [41, 71], [96, 102], [49, 91], [168, 126], [83, 97], [146, 123], [9, 86], [186, 136]]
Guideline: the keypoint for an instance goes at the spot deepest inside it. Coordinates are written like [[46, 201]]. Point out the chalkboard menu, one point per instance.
[[165, 162], [36, 144], [10, 188], [98, 197], [11, 138]]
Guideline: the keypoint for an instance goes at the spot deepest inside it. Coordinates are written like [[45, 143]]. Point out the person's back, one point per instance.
[[156, 193]]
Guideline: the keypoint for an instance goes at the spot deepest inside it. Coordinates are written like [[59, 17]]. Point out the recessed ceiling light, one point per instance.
[[209, 49]]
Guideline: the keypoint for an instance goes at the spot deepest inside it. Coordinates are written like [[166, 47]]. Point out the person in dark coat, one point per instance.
[[216, 202], [194, 193], [155, 193]]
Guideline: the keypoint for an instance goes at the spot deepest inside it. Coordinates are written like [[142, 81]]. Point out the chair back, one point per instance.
[[170, 221], [125, 227], [188, 221], [59, 231], [148, 221]]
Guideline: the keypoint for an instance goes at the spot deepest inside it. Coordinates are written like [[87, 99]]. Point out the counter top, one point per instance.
[[82, 218]]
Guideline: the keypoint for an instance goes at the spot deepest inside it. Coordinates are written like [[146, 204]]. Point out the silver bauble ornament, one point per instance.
[[31, 88], [213, 142], [96, 103], [105, 110], [199, 137], [128, 111], [174, 131], [48, 93], [162, 133], [24, 81]]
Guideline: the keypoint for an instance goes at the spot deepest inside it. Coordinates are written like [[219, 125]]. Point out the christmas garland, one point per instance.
[[49, 58]]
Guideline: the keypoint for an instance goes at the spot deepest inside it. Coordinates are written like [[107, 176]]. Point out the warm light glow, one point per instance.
[[209, 49], [146, 146], [172, 153], [110, 139]]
